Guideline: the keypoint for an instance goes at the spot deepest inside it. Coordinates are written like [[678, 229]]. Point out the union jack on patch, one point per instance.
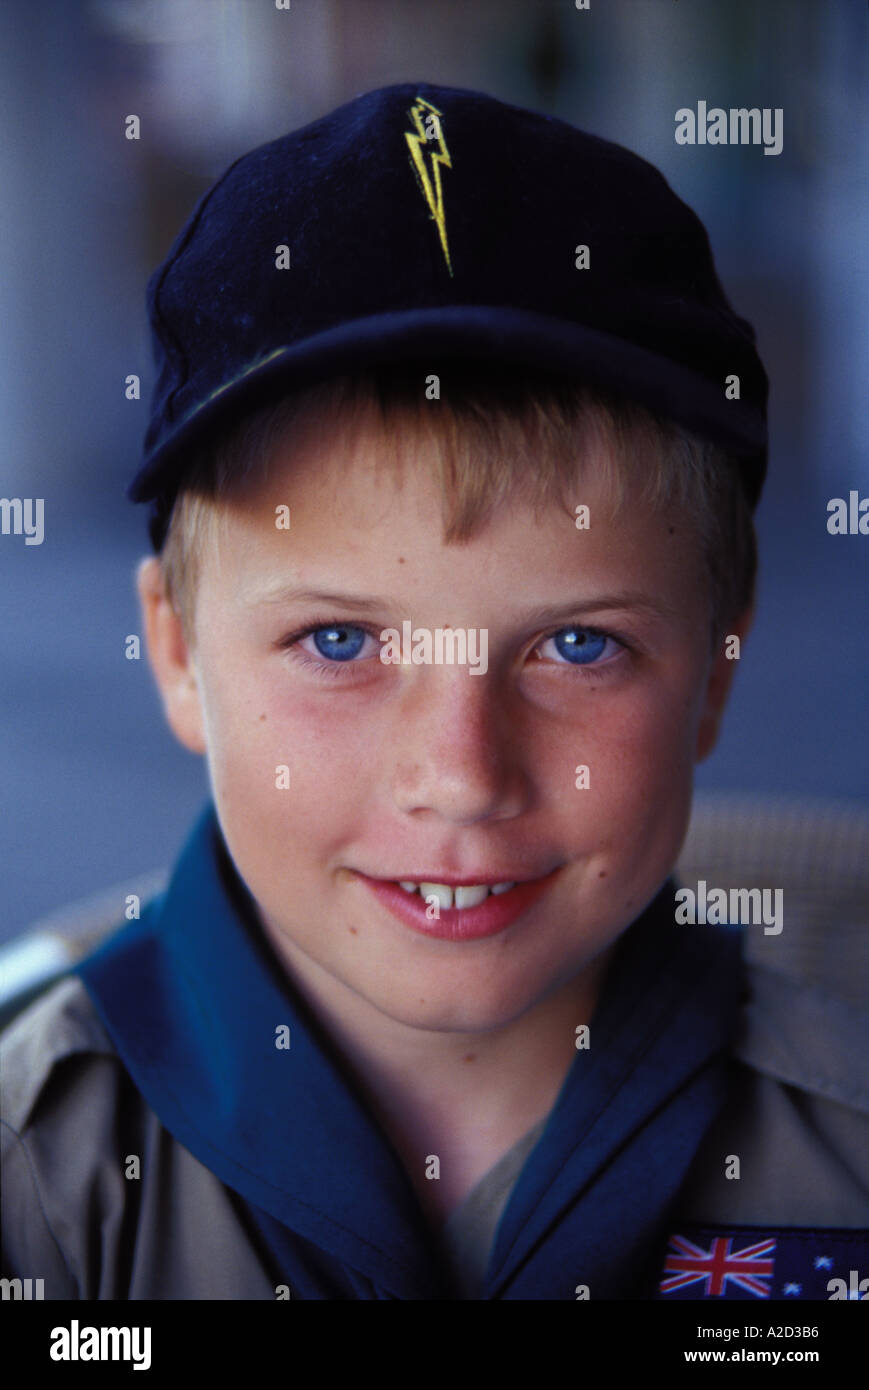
[[749, 1269]]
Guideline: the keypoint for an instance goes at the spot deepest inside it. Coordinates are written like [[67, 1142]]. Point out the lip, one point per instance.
[[450, 880], [488, 918]]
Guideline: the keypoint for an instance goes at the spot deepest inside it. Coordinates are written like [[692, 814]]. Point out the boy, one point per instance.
[[452, 497]]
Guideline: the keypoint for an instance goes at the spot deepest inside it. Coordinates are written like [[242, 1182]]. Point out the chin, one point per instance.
[[439, 1010]]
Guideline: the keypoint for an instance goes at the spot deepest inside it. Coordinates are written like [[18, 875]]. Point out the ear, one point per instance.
[[718, 685], [171, 660]]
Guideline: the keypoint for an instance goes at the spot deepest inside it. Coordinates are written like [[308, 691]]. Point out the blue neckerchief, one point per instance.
[[192, 996]]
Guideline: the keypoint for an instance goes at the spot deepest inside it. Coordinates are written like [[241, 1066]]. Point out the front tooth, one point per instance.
[[407, 885], [470, 896], [442, 891], [502, 887]]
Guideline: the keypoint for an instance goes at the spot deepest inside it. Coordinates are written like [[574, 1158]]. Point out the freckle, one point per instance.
[[471, 1057], [352, 931], [401, 559], [262, 718]]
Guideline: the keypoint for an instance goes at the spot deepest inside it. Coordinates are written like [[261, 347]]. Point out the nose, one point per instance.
[[457, 751]]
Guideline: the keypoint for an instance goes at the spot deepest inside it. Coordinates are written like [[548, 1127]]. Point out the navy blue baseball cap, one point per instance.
[[420, 223]]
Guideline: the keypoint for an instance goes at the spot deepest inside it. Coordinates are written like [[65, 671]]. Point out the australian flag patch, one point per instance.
[[746, 1262]]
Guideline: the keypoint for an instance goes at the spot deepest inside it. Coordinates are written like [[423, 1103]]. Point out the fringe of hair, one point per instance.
[[493, 437]]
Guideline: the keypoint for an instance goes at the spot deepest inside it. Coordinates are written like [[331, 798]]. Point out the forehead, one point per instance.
[[468, 456], [347, 504]]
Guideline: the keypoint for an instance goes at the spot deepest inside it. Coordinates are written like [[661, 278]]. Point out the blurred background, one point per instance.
[[96, 789]]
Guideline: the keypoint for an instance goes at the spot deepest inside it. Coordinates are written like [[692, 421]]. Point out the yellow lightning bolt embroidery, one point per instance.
[[431, 185]]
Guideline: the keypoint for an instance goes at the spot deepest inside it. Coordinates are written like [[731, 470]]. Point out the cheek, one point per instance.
[[639, 753], [659, 733], [280, 758]]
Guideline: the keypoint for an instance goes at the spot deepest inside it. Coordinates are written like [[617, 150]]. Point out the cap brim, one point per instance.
[[489, 334]]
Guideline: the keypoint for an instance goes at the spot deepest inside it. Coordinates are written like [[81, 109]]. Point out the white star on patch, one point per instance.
[[793, 1288], [823, 1262]]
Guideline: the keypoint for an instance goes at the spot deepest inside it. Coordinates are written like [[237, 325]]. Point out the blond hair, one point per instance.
[[492, 436]]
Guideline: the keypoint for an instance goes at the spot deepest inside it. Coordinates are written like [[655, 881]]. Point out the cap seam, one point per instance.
[[177, 348]]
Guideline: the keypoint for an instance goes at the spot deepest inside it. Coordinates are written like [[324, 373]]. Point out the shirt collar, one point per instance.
[[628, 1122], [192, 996]]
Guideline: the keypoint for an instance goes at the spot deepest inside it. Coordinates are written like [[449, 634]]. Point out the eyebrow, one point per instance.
[[364, 603], [289, 594], [600, 603]]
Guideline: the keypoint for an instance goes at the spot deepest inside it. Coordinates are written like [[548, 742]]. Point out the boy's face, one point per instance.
[[420, 772]]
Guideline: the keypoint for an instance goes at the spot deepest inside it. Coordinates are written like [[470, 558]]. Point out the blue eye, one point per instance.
[[580, 646], [340, 642]]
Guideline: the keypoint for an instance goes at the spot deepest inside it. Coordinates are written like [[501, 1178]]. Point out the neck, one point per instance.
[[464, 1097]]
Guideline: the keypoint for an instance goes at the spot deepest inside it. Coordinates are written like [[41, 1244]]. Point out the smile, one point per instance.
[[458, 911], [456, 895]]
